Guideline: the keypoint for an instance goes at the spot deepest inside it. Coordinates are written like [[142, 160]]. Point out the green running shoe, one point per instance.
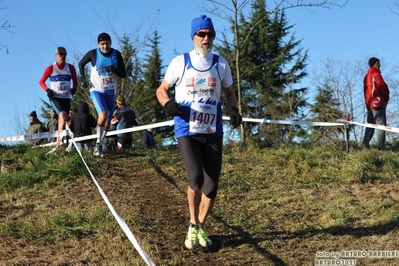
[[203, 238], [192, 237]]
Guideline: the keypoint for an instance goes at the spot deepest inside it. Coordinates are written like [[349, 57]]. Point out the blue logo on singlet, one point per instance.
[[102, 70], [201, 81]]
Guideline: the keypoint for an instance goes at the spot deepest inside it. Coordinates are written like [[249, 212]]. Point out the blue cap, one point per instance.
[[202, 22]]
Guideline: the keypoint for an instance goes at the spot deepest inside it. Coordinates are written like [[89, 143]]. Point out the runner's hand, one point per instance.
[[50, 93], [172, 108], [235, 117], [113, 69]]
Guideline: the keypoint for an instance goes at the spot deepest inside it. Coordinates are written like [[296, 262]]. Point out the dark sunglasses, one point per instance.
[[202, 34]]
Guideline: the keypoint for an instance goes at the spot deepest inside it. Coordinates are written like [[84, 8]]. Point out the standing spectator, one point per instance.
[[376, 95], [148, 139], [52, 124], [35, 126], [124, 117], [106, 65], [82, 124], [59, 93], [198, 121]]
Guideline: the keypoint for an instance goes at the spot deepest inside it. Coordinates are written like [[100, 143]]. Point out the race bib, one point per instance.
[[108, 82], [203, 118], [63, 87]]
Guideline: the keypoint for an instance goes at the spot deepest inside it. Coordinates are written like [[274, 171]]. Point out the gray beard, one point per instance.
[[201, 50]]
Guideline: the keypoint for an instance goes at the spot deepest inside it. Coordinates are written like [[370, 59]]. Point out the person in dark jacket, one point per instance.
[[35, 126], [148, 139], [124, 117], [82, 124], [52, 124]]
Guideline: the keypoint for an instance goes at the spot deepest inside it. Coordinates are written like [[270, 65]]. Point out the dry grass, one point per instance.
[[277, 206]]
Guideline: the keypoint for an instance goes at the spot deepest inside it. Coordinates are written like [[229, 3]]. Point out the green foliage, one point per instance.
[[36, 166], [270, 197], [145, 101], [267, 185], [62, 225], [271, 62], [326, 109]]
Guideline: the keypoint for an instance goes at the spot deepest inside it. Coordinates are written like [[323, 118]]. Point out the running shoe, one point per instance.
[[192, 237], [98, 150], [203, 238]]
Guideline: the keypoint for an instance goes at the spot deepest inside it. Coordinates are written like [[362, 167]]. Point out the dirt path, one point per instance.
[[152, 203]]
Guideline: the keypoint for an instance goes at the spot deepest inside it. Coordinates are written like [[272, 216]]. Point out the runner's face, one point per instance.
[[61, 57], [105, 46], [203, 41]]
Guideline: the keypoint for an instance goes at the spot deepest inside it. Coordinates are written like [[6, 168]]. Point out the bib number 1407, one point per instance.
[[203, 118]]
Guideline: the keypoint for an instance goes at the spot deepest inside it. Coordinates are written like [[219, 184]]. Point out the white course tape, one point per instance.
[[63, 133], [160, 124], [42, 135], [289, 122], [118, 218], [339, 122], [386, 128]]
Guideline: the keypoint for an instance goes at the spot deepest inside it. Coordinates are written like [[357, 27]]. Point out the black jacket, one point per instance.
[[82, 122]]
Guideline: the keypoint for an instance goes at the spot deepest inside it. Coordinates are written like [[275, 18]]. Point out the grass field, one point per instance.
[[288, 205]]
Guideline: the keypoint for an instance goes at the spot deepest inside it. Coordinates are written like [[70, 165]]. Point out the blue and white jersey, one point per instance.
[[60, 81], [101, 78], [199, 81]]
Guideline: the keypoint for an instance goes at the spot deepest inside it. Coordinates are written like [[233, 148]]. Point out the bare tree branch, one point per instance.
[[5, 25], [287, 4], [230, 12], [397, 7]]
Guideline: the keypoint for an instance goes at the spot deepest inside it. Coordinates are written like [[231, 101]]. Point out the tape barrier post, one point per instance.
[[347, 135]]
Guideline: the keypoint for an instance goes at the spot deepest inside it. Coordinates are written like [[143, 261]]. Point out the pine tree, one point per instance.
[[271, 63], [132, 66], [278, 65], [325, 109], [145, 99], [145, 102]]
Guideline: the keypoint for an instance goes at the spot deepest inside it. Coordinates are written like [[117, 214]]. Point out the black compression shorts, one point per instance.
[[202, 157], [60, 104]]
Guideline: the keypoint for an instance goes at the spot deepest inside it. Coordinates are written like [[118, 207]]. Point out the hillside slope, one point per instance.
[[257, 220]]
